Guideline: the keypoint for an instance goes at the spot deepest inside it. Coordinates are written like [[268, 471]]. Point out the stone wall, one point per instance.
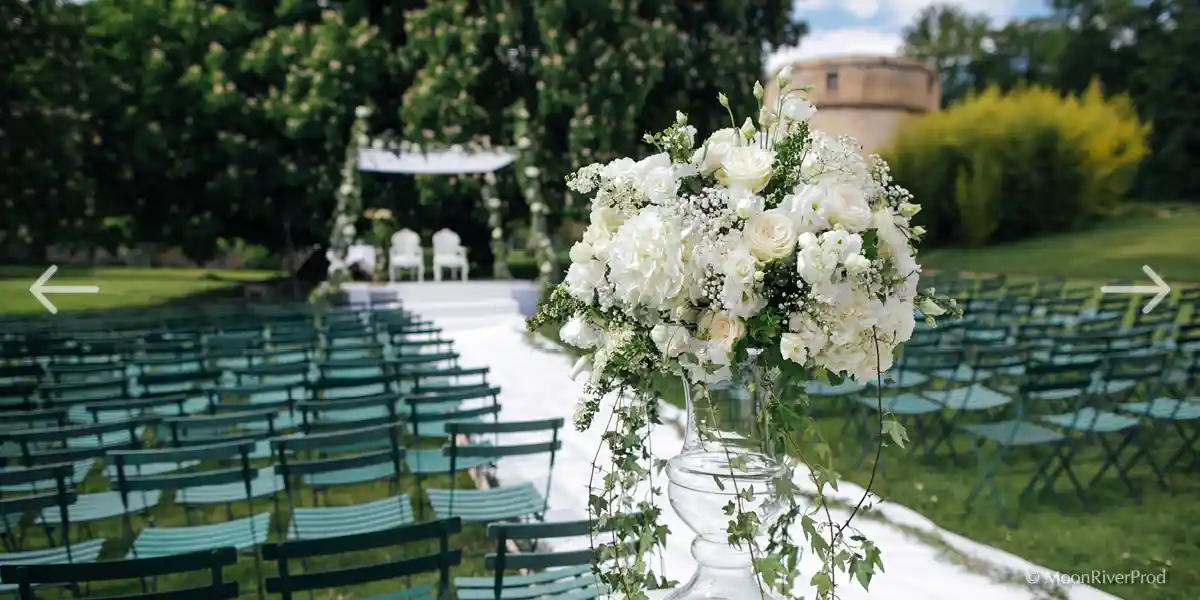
[[866, 97]]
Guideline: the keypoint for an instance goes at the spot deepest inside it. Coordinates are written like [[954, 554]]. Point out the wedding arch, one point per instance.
[[385, 155]]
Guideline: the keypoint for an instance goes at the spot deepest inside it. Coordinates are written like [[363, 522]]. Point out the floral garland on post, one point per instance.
[[345, 216], [529, 178], [491, 200]]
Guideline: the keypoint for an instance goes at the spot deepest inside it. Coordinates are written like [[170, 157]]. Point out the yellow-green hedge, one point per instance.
[[999, 167]]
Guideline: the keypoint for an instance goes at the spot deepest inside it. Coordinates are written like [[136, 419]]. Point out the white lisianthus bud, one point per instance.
[[758, 275], [723, 99], [856, 264], [909, 210], [581, 252], [758, 91], [749, 206], [680, 118], [931, 309], [767, 118], [918, 231], [748, 130], [785, 77]]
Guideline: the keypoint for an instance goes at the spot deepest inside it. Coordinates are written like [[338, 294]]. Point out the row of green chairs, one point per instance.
[[563, 575]]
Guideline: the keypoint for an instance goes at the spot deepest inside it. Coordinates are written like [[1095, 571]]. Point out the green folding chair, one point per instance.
[[59, 499], [910, 406], [1043, 384], [288, 583], [1121, 440], [506, 502], [385, 462], [543, 573], [27, 579], [244, 534]]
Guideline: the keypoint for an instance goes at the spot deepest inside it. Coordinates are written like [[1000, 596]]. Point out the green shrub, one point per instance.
[[1002, 167]]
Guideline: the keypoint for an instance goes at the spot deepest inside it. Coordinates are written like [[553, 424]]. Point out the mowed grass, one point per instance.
[[120, 287], [1168, 242]]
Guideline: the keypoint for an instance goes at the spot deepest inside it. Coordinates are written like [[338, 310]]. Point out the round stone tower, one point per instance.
[[866, 97]]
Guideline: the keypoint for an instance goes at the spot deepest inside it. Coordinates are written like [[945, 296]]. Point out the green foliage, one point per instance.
[[1141, 48], [199, 120], [1003, 167]]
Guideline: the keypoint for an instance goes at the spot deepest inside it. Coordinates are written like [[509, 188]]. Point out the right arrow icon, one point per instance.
[[1160, 289]]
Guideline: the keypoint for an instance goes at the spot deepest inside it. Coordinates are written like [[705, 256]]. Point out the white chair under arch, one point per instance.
[[449, 253], [406, 255]]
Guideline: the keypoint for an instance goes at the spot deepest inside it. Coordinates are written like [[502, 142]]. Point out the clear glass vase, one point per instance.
[[702, 483]]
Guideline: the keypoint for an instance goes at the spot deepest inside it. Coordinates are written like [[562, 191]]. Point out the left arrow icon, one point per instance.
[[39, 289]]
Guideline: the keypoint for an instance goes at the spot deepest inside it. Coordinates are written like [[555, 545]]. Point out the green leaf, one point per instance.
[[894, 430]]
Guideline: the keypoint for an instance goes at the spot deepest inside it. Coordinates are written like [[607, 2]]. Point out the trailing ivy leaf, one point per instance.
[[895, 431]]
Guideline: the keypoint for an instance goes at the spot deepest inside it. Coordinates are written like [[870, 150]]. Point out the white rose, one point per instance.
[[749, 206], [722, 329], [747, 167], [671, 340], [930, 308], [709, 156], [770, 235], [582, 279], [581, 252], [578, 332], [857, 264]]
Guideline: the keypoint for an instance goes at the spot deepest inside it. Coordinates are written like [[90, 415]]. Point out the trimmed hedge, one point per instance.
[[999, 167]]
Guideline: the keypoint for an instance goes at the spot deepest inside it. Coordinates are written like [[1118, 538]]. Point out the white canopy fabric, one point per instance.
[[455, 161]]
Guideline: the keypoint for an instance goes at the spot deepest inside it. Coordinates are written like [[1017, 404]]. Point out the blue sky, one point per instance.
[[843, 27]]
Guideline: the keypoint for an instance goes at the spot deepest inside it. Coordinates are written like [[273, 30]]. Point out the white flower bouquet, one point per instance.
[[772, 236], [768, 243]]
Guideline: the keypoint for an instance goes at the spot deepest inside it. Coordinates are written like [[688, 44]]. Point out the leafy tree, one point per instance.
[[45, 132]]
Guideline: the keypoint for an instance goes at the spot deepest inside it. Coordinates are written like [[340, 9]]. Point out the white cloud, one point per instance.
[[846, 41], [883, 37], [863, 9]]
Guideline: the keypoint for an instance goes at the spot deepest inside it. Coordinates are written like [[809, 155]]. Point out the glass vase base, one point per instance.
[[702, 587]]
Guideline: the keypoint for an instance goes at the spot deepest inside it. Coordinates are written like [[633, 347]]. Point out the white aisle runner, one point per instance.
[[534, 378]]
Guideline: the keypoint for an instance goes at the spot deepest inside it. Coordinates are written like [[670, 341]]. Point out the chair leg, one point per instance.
[[988, 469], [1113, 459]]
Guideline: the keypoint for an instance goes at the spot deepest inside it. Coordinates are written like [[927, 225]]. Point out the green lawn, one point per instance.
[[1117, 249], [119, 287]]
